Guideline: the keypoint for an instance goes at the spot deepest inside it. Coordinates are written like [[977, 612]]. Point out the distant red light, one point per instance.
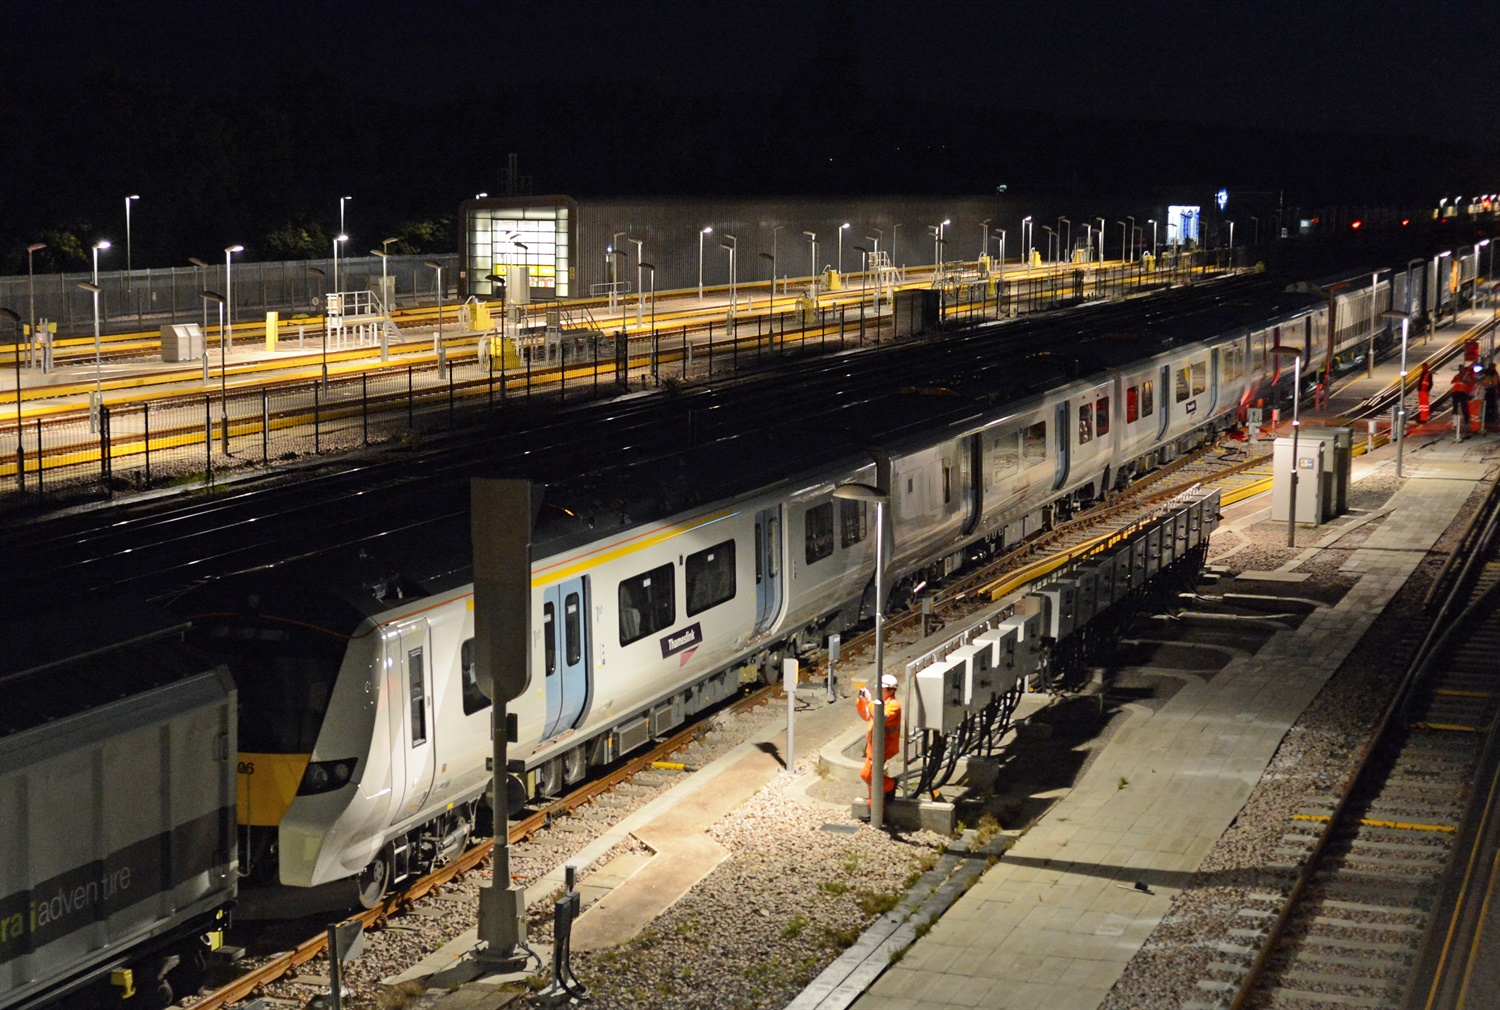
[[1405, 221], [1356, 224]]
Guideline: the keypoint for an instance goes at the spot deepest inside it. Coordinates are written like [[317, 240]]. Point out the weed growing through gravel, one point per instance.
[[833, 888], [874, 903], [794, 928]]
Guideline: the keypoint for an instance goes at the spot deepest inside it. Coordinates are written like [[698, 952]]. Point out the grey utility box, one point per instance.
[[181, 342], [1342, 441], [1314, 484]]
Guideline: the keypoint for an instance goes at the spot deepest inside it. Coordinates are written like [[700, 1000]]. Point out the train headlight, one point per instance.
[[326, 776]]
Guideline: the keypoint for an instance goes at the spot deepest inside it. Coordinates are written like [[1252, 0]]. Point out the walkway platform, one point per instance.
[[1055, 922]]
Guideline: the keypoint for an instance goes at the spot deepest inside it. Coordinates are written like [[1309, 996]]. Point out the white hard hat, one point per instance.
[[888, 680]]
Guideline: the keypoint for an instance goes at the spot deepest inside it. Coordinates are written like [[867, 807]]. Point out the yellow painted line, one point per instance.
[[1245, 491], [1450, 693], [1450, 726], [1373, 823]]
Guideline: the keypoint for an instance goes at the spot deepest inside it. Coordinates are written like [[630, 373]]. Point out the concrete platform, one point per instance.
[[1055, 922]]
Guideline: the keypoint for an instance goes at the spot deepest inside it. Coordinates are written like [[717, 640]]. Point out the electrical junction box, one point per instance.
[[940, 701], [1061, 607], [978, 663], [1003, 643]]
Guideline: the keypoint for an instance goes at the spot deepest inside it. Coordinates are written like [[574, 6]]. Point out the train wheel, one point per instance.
[[375, 879], [192, 968], [575, 765], [549, 778]]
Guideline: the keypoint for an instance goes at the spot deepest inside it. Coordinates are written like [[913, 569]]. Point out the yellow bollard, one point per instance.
[[272, 328]]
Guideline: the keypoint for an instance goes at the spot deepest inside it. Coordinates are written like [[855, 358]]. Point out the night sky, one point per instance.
[[248, 119]]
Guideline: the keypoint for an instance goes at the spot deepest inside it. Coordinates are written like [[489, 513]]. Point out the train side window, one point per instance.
[[758, 554], [1005, 456], [947, 483], [572, 629], [1101, 415], [416, 679], [710, 577], [1148, 403], [648, 603], [474, 698], [1132, 404], [853, 524], [818, 522], [1034, 444], [1181, 391], [549, 637], [1200, 377], [1085, 423]]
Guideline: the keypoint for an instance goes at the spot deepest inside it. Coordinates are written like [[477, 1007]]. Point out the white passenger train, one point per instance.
[[364, 732]]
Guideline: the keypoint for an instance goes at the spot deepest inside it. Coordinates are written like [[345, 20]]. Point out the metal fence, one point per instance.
[[482, 377], [140, 299]]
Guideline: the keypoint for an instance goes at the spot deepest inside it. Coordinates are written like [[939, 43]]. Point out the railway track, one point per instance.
[[1361, 865], [279, 965]]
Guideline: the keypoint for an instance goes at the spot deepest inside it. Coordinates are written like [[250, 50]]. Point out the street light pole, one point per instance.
[[15, 323], [339, 239], [442, 350], [842, 229], [1101, 240], [733, 246], [342, 229], [1025, 242], [865, 493], [812, 264], [214, 296], [1153, 238], [385, 285], [640, 251], [202, 286], [33, 345], [97, 399], [1405, 318], [1064, 254], [1050, 233], [984, 241], [229, 283], [101, 244], [128, 199], [1296, 356], [942, 242], [323, 304], [774, 229], [701, 233]]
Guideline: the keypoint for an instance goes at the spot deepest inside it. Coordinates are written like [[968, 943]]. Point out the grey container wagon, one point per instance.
[[117, 813]]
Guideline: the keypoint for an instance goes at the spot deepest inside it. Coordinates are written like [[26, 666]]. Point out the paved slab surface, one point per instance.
[[1055, 922]]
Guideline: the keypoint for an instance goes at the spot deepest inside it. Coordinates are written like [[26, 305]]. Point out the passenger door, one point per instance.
[[1063, 441], [1164, 401], [412, 721], [767, 568], [565, 643]]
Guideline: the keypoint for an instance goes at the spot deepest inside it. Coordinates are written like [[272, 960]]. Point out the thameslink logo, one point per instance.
[[684, 639]]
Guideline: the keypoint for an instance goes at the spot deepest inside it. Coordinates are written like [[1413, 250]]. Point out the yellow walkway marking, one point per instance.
[[1453, 726], [1372, 823], [1448, 692]]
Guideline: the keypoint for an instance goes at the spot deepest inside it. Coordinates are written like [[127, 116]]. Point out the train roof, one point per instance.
[[411, 553], [60, 664]]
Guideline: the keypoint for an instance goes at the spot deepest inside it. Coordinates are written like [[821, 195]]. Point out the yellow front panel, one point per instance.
[[268, 783]]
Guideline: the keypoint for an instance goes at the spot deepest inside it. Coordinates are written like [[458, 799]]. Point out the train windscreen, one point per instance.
[[285, 674]]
